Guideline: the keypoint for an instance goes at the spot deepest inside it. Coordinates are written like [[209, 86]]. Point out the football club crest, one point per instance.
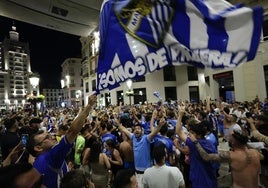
[[138, 16]]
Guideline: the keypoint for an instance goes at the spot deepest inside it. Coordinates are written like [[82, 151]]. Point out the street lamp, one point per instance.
[[129, 93], [141, 94], [34, 81], [7, 102], [16, 104], [77, 96]]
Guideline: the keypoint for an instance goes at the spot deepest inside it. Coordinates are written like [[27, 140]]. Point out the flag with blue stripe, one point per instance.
[[143, 36]]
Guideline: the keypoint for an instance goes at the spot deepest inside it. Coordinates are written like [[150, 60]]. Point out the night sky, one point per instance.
[[48, 49]]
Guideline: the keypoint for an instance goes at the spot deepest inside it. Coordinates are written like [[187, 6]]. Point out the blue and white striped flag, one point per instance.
[[157, 94], [142, 36]]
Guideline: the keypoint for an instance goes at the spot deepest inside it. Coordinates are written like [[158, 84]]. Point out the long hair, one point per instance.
[[95, 152], [110, 143]]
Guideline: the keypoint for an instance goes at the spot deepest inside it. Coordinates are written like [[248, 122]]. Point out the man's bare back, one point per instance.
[[126, 151], [245, 166]]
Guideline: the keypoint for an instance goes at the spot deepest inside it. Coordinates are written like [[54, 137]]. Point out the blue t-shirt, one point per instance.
[[168, 145], [202, 173], [146, 127], [211, 137], [104, 138], [141, 149], [52, 163], [109, 136], [172, 123]]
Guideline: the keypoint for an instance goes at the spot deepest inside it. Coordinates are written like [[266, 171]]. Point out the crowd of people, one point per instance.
[[154, 145]]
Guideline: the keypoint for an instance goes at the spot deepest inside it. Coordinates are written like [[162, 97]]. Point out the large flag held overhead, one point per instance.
[[142, 36]]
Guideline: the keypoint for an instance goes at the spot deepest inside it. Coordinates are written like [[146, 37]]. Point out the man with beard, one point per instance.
[[141, 147]]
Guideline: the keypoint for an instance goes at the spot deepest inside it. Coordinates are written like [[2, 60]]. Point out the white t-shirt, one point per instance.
[[162, 177], [230, 130]]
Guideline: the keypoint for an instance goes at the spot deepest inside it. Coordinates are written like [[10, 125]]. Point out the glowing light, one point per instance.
[[129, 83]]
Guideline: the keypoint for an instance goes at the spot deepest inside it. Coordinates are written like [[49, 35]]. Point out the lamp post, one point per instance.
[[141, 94], [16, 104], [7, 102], [77, 96], [129, 84], [34, 81]]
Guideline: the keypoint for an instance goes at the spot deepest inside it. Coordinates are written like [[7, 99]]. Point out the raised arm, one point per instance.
[[256, 133], [134, 114], [154, 115], [13, 155], [208, 104], [179, 131], [94, 131], [78, 123], [122, 128], [157, 129], [106, 160], [223, 156]]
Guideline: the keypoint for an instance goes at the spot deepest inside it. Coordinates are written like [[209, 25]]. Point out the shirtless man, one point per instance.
[[126, 151], [244, 162]]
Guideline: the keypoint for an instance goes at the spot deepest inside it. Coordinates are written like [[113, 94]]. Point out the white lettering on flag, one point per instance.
[[140, 37]]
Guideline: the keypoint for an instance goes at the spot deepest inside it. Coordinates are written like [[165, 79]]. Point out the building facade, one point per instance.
[[72, 83], [15, 70], [89, 61], [185, 82], [53, 97]]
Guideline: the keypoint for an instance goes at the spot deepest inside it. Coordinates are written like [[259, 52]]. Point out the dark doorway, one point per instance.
[[226, 85], [227, 94]]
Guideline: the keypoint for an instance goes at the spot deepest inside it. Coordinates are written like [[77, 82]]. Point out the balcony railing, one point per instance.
[[92, 72]]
